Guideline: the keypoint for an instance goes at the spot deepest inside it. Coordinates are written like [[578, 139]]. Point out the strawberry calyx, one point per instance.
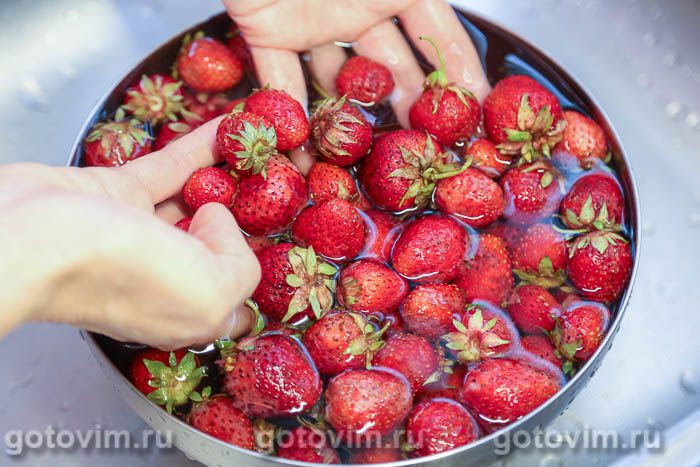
[[437, 81], [154, 100], [587, 217], [175, 382], [598, 240], [314, 281], [475, 341], [564, 350], [259, 144], [369, 342], [126, 134], [546, 276], [446, 366], [331, 129]]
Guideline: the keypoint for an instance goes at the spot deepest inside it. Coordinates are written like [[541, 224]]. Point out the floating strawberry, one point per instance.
[[307, 444], [429, 309], [155, 99], [246, 141], [448, 385], [364, 80], [328, 181], [392, 320], [112, 144], [412, 356], [540, 346], [172, 131], [207, 65], [202, 107], [218, 417], [439, 425], [532, 192], [533, 309], [369, 286], [209, 185], [471, 196], [486, 157], [509, 233], [481, 333], [486, 273], [594, 202], [539, 257], [584, 143], [382, 232], [284, 112], [339, 132], [579, 332]]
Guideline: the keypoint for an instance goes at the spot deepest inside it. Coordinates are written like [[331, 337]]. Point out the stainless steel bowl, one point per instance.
[[502, 53]]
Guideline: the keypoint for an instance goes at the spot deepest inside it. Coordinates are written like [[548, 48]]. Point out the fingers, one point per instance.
[[435, 18], [325, 63], [385, 44], [172, 210]]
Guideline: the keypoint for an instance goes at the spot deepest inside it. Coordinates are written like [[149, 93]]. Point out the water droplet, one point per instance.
[[648, 229], [669, 59], [692, 120], [643, 80], [649, 39], [690, 381], [694, 219], [673, 108], [551, 460], [33, 94]]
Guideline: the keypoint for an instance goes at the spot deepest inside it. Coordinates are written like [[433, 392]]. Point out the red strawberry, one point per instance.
[[155, 99], [500, 391], [447, 386], [184, 223], [533, 309], [439, 425], [202, 107], [446, 110], [486, 157], [267, 205], [583, 144], [509, 233], [523, 118], [471, 196], [270, 375], [207, 65], [258, 244], [364, 80], [430, 250], [539, 257], [218, 417], [284, 112], [532, 192], [386, 451], [328, 181], [369, 286], [486, 273], [540, 346], [382, 231], [246, 141], [429, 309], [209, 185], [580, 331], [172, 131], [307, 444], [342, 340], [167, 378], [367, 404], [412, 356], [334, 228], [339, 132], [594, 202], [599, 265], [482, 332], [392, 321], [294, 283], [238, 45], [112, 144]]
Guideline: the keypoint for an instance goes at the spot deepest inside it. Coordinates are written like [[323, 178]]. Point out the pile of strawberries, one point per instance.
[[420, 287]]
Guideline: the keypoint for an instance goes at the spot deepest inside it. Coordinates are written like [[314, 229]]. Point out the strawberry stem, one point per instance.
[[437, 77]]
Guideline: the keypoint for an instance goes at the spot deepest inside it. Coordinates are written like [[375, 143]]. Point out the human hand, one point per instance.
[[83, 246]]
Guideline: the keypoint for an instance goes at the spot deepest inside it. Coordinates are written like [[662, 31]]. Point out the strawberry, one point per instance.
[[447, 386], [167, 378], [439, 425], [412, 356], [367, 285], [594, 202], [471, 196], [172, 131], [430, 250], [539, 257], [307, 444], [376, 453], [246, 141], [486, 157], [486, 271], [334, 228], [401, 170], [509, 233], [540, 346], [599, 265], [446, 110], [112, 144], [238, 45], [342, 340], [364, 80], [295, 283], [328, 181], [429, 309], [533, 309], [155, 99], [218, 417], [258, 244], [523, 118], [382, 231], [207, 65], [339, 132], [267, 204], [579, 332], [209, 185], [367, 404], [482, 332], [184, 223], [532, 192], [284, 112], [269, 375], [499, 391], [391, 320], [202, 107], [583, 145]]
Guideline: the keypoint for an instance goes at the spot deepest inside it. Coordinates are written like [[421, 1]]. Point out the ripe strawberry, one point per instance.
[[207, 65], [184, 223], [367, 285], [439, 425], [430, 250], [539, 257], [500, 391], [328, 181], [533, 309], [367, 404], [246, 141], [167, 378], [284, 112], [364, 80], [599, 265], [523, 118], [172, 131], [342, 340], [509, 233], [579, 332], [306, 444], [486, 273], [218, 417], [584, 143], [112, 144], [540, 346], [482, 332], [270, 375], [238, 45], [486, 157], [209, 185], [294, 283], [339, 132], [382, 231], [446, 110], [471, 196], [258, 244], [447, 386], [594, 202], [429, 309], [202, 107], [391, 320], [386, 451], [532, 192], [401, 170], [334, 228], [412, 356], [155, 99], [267, 205]]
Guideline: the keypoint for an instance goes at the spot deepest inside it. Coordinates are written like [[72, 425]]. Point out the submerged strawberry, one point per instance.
[[307, 444], [112, 144], [377, 453], [579, 332], [382, 232], [539, 256], [439, 425], [532, 192], [540, 346], [448, 385], [533, 309], [328, 181], [339, 132], [471, 196], [218, 417], [594, 202], [486, 157], [364, 80], [172, 131], [487, 272], [155, 99], [370, 286], [584, 143], [481, 333], [412, 356], [429, 309], [209, 185], [202, 107], [246, 141], [207, 65], [284, 113]]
